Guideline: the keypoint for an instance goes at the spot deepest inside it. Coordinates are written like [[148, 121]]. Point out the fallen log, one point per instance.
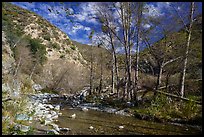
[[175, 96], [167, 94]]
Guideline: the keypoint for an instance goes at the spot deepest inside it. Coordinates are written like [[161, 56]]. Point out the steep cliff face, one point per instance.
[[61, 53]]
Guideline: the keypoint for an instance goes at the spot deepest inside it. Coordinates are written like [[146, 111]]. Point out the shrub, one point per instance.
[[67, 51], [62, 56], [38, 50], [47, 37], [55, 46], [73, 47]]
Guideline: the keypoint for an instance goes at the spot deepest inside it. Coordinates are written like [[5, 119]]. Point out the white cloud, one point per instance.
[[146, 26], [157, 10], [153, 11], [87, 28], [87, 12]]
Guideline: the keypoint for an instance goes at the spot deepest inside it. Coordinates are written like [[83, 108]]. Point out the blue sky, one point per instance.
[[83, 22]]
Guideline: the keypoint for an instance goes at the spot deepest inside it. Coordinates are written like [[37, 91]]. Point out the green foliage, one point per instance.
[[55, 46], [67, 51], [38, 49], [48, 90], [163, 107], [91, 34], [62, 56], [47, 37], [73, 47]]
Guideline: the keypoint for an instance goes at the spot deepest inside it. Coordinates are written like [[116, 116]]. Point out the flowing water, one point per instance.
[[108, 124]]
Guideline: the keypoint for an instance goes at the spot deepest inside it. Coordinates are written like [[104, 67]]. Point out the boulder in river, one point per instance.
[[37, 87], [22, 117], [73, 116], [52, 131], [84, 109], [57, 107], [65, 129], [121, 127], [90, 127]]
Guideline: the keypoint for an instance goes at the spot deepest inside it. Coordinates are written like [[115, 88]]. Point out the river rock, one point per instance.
[[57, 107], [55, 117], [49, 106], [84, 109], [55, 126], [73, 116], [121, 127], [110, 110], [37, 87], [48, 121], [53, 112], [22, 117], [45, 100], [52, 131], [24, 128], [65, 129], [90, 127]]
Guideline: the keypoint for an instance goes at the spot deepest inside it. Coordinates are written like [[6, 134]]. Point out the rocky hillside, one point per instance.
[[25, 22], [27, 29]]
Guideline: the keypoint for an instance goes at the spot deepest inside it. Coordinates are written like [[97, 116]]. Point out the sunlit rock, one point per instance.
[[65, 129], [90, 127], [121, 127], [84, 109], [22, 117], [73, 116], [57, 107], [37, 87]]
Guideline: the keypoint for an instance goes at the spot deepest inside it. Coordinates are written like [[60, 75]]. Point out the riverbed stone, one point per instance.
[[22, 117], [55, 126], [57, 107], [52, 131], [37, 87], [65, 129]]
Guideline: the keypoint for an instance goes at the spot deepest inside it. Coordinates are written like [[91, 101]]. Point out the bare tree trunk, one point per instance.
[[91, 72], [136, 69], [117, 76], [101, 79], [167, 82], [17, 68], [31, 74], [183, 73], [112, 72], [159, 76]]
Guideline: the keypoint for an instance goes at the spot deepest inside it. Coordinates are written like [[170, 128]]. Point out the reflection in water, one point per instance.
[[107, 123]]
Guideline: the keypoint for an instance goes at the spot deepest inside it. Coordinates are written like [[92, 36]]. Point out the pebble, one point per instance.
[[57, 107], [73, 116], [84, 109], [121, 127], [65, 129], [90, 127]]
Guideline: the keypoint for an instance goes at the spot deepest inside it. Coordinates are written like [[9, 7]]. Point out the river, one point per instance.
[[104, 123]]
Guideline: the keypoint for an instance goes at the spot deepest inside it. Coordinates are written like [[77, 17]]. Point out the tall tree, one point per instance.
[[91, 67], [189, 31], [139, 12]]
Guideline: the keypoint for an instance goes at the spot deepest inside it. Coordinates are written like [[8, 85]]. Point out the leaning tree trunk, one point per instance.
[[183, 73]]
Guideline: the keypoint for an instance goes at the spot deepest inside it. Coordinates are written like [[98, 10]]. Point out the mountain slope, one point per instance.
[[26, 30]]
